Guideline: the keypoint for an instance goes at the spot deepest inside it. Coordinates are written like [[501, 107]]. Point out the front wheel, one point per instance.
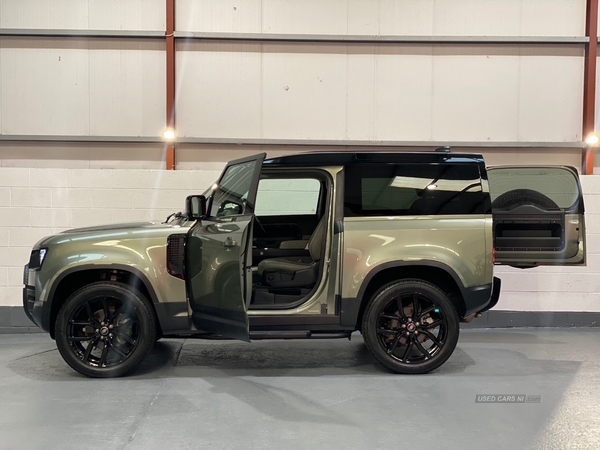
[[105, 329], [411, 327]]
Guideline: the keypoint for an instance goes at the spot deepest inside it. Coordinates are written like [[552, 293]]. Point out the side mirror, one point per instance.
[[195, 207]]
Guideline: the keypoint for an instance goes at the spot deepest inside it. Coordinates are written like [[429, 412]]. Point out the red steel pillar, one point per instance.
[[171, 79], [589, 82]]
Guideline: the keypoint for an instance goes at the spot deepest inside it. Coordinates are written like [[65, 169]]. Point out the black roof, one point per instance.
[[343, 158]]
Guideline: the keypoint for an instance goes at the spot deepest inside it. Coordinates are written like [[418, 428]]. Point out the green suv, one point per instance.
[[400, 246]]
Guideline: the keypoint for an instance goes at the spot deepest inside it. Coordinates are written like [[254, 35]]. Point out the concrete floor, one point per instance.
[[307, 395]]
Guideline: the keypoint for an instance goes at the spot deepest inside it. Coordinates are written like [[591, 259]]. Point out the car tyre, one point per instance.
[[410, 326], [518, 197], [105, 329]]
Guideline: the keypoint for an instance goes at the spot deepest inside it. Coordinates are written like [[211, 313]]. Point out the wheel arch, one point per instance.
[[434, 272], [75, 278]]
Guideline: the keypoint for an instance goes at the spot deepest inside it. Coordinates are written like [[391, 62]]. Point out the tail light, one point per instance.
[[176, 255], [494, 255]]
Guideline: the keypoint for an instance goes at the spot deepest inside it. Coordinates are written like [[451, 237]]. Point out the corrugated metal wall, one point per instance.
[[404, 92], [410, 92], [83, 14], [393, 17]]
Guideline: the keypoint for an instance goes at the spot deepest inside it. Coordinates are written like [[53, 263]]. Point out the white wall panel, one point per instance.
[[45, 86], [55, 14], [82, 87], [127, 82], [304, 92], [360, 101], [550, 94], [218, 89], [412, 17], [305, 16], [393, 17], [127, 14], [83, 14], [403, 92], [383, 92], [475, 94], [553, 18], [219, 15], [476, 17], [363, 17]]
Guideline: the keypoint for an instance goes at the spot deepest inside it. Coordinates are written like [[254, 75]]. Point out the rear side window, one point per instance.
[[413, 189]]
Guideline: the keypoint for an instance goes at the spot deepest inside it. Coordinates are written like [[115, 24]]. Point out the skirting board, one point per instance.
[[13, 320]]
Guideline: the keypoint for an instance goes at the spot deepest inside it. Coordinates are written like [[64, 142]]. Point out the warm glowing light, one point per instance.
[[592, 139], [169, 134]]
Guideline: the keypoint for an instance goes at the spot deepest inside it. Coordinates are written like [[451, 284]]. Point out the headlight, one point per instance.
[[37, 258], [43, 252]]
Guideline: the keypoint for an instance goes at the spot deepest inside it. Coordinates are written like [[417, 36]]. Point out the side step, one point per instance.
[[259, 335]]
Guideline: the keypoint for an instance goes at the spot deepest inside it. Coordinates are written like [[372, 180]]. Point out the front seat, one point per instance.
[[295, 272]]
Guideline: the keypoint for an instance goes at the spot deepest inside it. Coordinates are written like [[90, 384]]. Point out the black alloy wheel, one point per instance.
[[411, 327], [105, 329]]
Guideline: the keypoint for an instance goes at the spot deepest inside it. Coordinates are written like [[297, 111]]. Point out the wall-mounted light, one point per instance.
[[592, 140], [169, 134]]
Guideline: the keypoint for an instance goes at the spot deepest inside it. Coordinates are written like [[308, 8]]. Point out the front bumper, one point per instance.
[[38, 312], [28, 301], [28, 294]]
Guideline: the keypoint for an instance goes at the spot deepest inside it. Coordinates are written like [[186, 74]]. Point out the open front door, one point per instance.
[[219, 253], [538, 216]]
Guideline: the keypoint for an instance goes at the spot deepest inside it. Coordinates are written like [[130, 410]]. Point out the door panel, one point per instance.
[[538, 216], [218, 253]]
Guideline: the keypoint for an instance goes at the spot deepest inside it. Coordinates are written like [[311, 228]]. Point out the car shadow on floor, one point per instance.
[[232, 358], [173, 358]]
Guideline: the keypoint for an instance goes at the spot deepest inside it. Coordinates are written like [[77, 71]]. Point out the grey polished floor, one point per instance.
[[308, 395]]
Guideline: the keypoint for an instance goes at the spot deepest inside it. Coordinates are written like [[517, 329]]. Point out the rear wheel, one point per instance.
[[105, 329], [411, 327]]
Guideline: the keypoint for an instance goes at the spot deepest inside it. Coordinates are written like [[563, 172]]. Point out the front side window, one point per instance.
[[413, 189]]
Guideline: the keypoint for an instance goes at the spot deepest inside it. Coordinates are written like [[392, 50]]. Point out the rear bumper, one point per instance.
[[481, 298], [495, 295]]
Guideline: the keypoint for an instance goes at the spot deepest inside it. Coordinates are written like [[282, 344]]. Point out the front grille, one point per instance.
[[176, 255]]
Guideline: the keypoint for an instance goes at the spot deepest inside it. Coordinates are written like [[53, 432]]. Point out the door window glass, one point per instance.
[[287, 197], [229, 196]]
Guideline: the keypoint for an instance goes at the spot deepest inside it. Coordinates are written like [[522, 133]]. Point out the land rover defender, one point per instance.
[[399, 246]]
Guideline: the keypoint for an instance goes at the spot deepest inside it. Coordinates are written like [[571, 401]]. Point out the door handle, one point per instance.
[[229, 243]]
